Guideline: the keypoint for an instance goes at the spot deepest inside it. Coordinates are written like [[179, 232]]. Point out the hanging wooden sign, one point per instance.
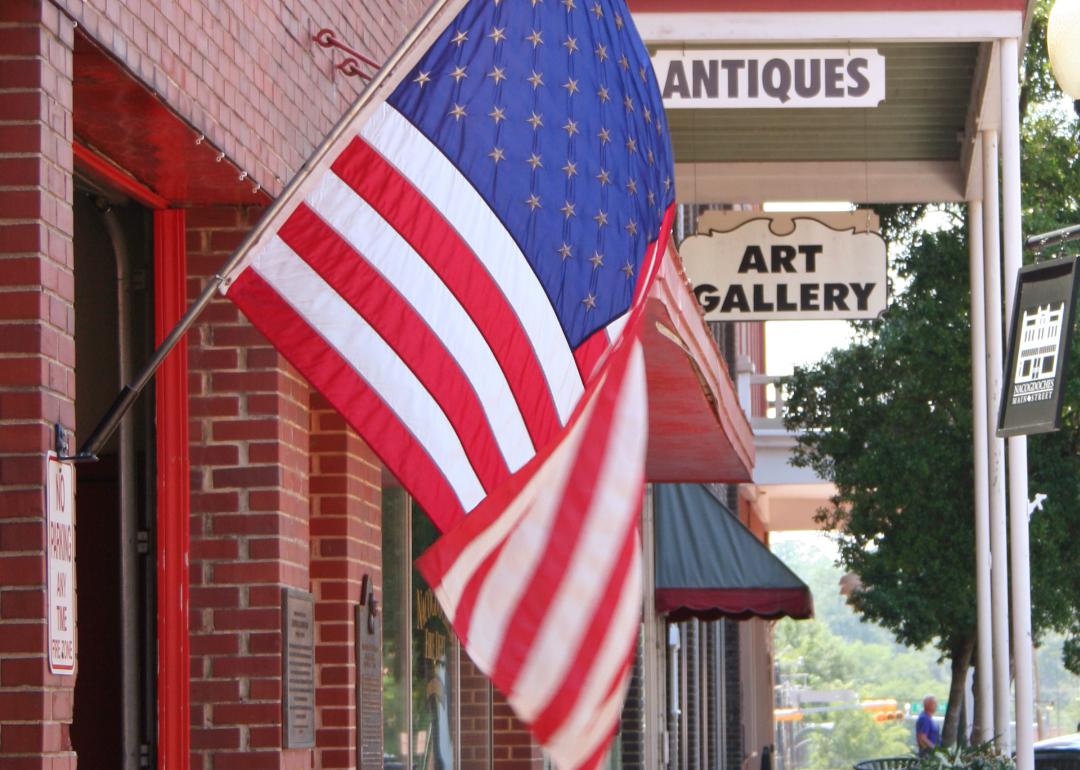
[[813, 271], [744, 79]]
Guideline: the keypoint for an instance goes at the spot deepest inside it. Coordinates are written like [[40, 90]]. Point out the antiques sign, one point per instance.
[[60, 521], [1039, 341], [737, 78], [298, 693], [752, 273]]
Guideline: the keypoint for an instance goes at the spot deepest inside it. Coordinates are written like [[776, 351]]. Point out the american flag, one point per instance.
[[460, 266], [542, 582]]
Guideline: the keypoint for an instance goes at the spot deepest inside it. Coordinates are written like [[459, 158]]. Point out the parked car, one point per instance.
[[1061, 753]]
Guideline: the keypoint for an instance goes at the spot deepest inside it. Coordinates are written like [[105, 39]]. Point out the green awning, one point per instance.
[[709, 566]]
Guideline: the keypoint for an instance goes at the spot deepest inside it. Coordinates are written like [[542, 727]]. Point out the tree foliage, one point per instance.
[[837, 650], [1050, 179], [855, 736], [888, 420]]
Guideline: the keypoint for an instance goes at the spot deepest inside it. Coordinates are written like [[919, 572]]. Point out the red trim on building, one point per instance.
[[173, 506], [734, 603], [114, 176], [174, 467], [140, 124], [697, 430], [821, 6]]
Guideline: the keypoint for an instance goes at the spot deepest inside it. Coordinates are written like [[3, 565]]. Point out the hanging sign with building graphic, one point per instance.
[[1039, 341], [60, 557], [753, 267], [747, 79]]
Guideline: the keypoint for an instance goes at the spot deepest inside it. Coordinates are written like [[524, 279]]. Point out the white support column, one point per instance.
[[654, 646], [999, 575], [984, 695], [1020, 567]]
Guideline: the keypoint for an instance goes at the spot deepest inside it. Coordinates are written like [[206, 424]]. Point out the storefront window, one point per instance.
[[436, 705], [396, 628], [434, 680]]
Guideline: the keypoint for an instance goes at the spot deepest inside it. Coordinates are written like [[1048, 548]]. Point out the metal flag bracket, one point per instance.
[[351, 65]]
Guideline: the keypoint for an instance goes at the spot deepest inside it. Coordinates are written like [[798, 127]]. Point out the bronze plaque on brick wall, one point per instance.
[[298, 675], [368, 686]]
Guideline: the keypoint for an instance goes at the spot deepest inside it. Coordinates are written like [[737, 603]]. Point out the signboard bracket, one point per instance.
[[61, 441]]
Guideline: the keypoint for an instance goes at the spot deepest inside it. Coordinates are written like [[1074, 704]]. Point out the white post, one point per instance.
[[655, 647], [1019, 564], [999, 575], [984, 696]]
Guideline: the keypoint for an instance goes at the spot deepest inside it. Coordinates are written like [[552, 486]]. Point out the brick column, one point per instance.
[[475, 723], [37, 360], [249, 517], [346, 544], [513, 744]]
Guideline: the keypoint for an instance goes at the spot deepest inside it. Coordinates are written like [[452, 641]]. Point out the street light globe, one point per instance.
[[1063, 44]]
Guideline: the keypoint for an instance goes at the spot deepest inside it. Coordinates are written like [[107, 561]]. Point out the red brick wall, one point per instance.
[[475, 713], [253, 83], [249, 517], [247, 75], [345, 545], [37, 360], [514, 748]]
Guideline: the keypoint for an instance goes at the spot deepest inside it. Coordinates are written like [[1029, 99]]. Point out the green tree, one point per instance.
[[1051, 197], [837, 650], [889, 421], [810, 648], [817, 567], [855, 736]]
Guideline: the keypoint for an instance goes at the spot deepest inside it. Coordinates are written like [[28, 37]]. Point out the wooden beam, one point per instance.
[[855, 181]]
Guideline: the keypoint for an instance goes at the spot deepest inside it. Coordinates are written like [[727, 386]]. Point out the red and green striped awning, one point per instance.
[[709, 566]]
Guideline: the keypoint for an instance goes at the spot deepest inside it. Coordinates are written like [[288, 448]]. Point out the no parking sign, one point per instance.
[[60, 557]]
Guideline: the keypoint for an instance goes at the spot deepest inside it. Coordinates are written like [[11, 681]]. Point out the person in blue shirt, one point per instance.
[[927, 734]]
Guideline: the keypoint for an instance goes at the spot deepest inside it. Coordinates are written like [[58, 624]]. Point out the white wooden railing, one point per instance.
[[773, 419]]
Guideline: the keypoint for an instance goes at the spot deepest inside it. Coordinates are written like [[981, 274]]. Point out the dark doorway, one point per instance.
[[114, 722]]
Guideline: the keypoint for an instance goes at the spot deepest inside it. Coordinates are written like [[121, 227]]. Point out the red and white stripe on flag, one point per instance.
[[395, 290], [542, 582]]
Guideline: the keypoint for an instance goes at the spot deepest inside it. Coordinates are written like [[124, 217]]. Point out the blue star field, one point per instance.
[[551, 109]]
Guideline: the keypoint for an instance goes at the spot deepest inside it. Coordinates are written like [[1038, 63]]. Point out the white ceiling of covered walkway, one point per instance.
[[918, 145]]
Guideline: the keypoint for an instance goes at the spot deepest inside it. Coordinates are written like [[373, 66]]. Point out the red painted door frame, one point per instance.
[[173, 463], [173, 498]]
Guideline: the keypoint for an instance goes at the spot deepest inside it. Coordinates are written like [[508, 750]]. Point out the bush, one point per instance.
[[982, 756]]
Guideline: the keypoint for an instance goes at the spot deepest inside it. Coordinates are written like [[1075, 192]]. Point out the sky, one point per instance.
[[796, 343]]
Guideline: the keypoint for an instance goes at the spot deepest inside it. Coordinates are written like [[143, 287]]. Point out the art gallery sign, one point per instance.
[[736, 78], [797, 267]]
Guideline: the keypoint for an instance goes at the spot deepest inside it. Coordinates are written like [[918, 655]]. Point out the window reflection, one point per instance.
[[395, 627], [436, 704], [434, 678]]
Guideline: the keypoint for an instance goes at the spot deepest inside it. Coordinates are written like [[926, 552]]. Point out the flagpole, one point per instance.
[[105, 428]]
